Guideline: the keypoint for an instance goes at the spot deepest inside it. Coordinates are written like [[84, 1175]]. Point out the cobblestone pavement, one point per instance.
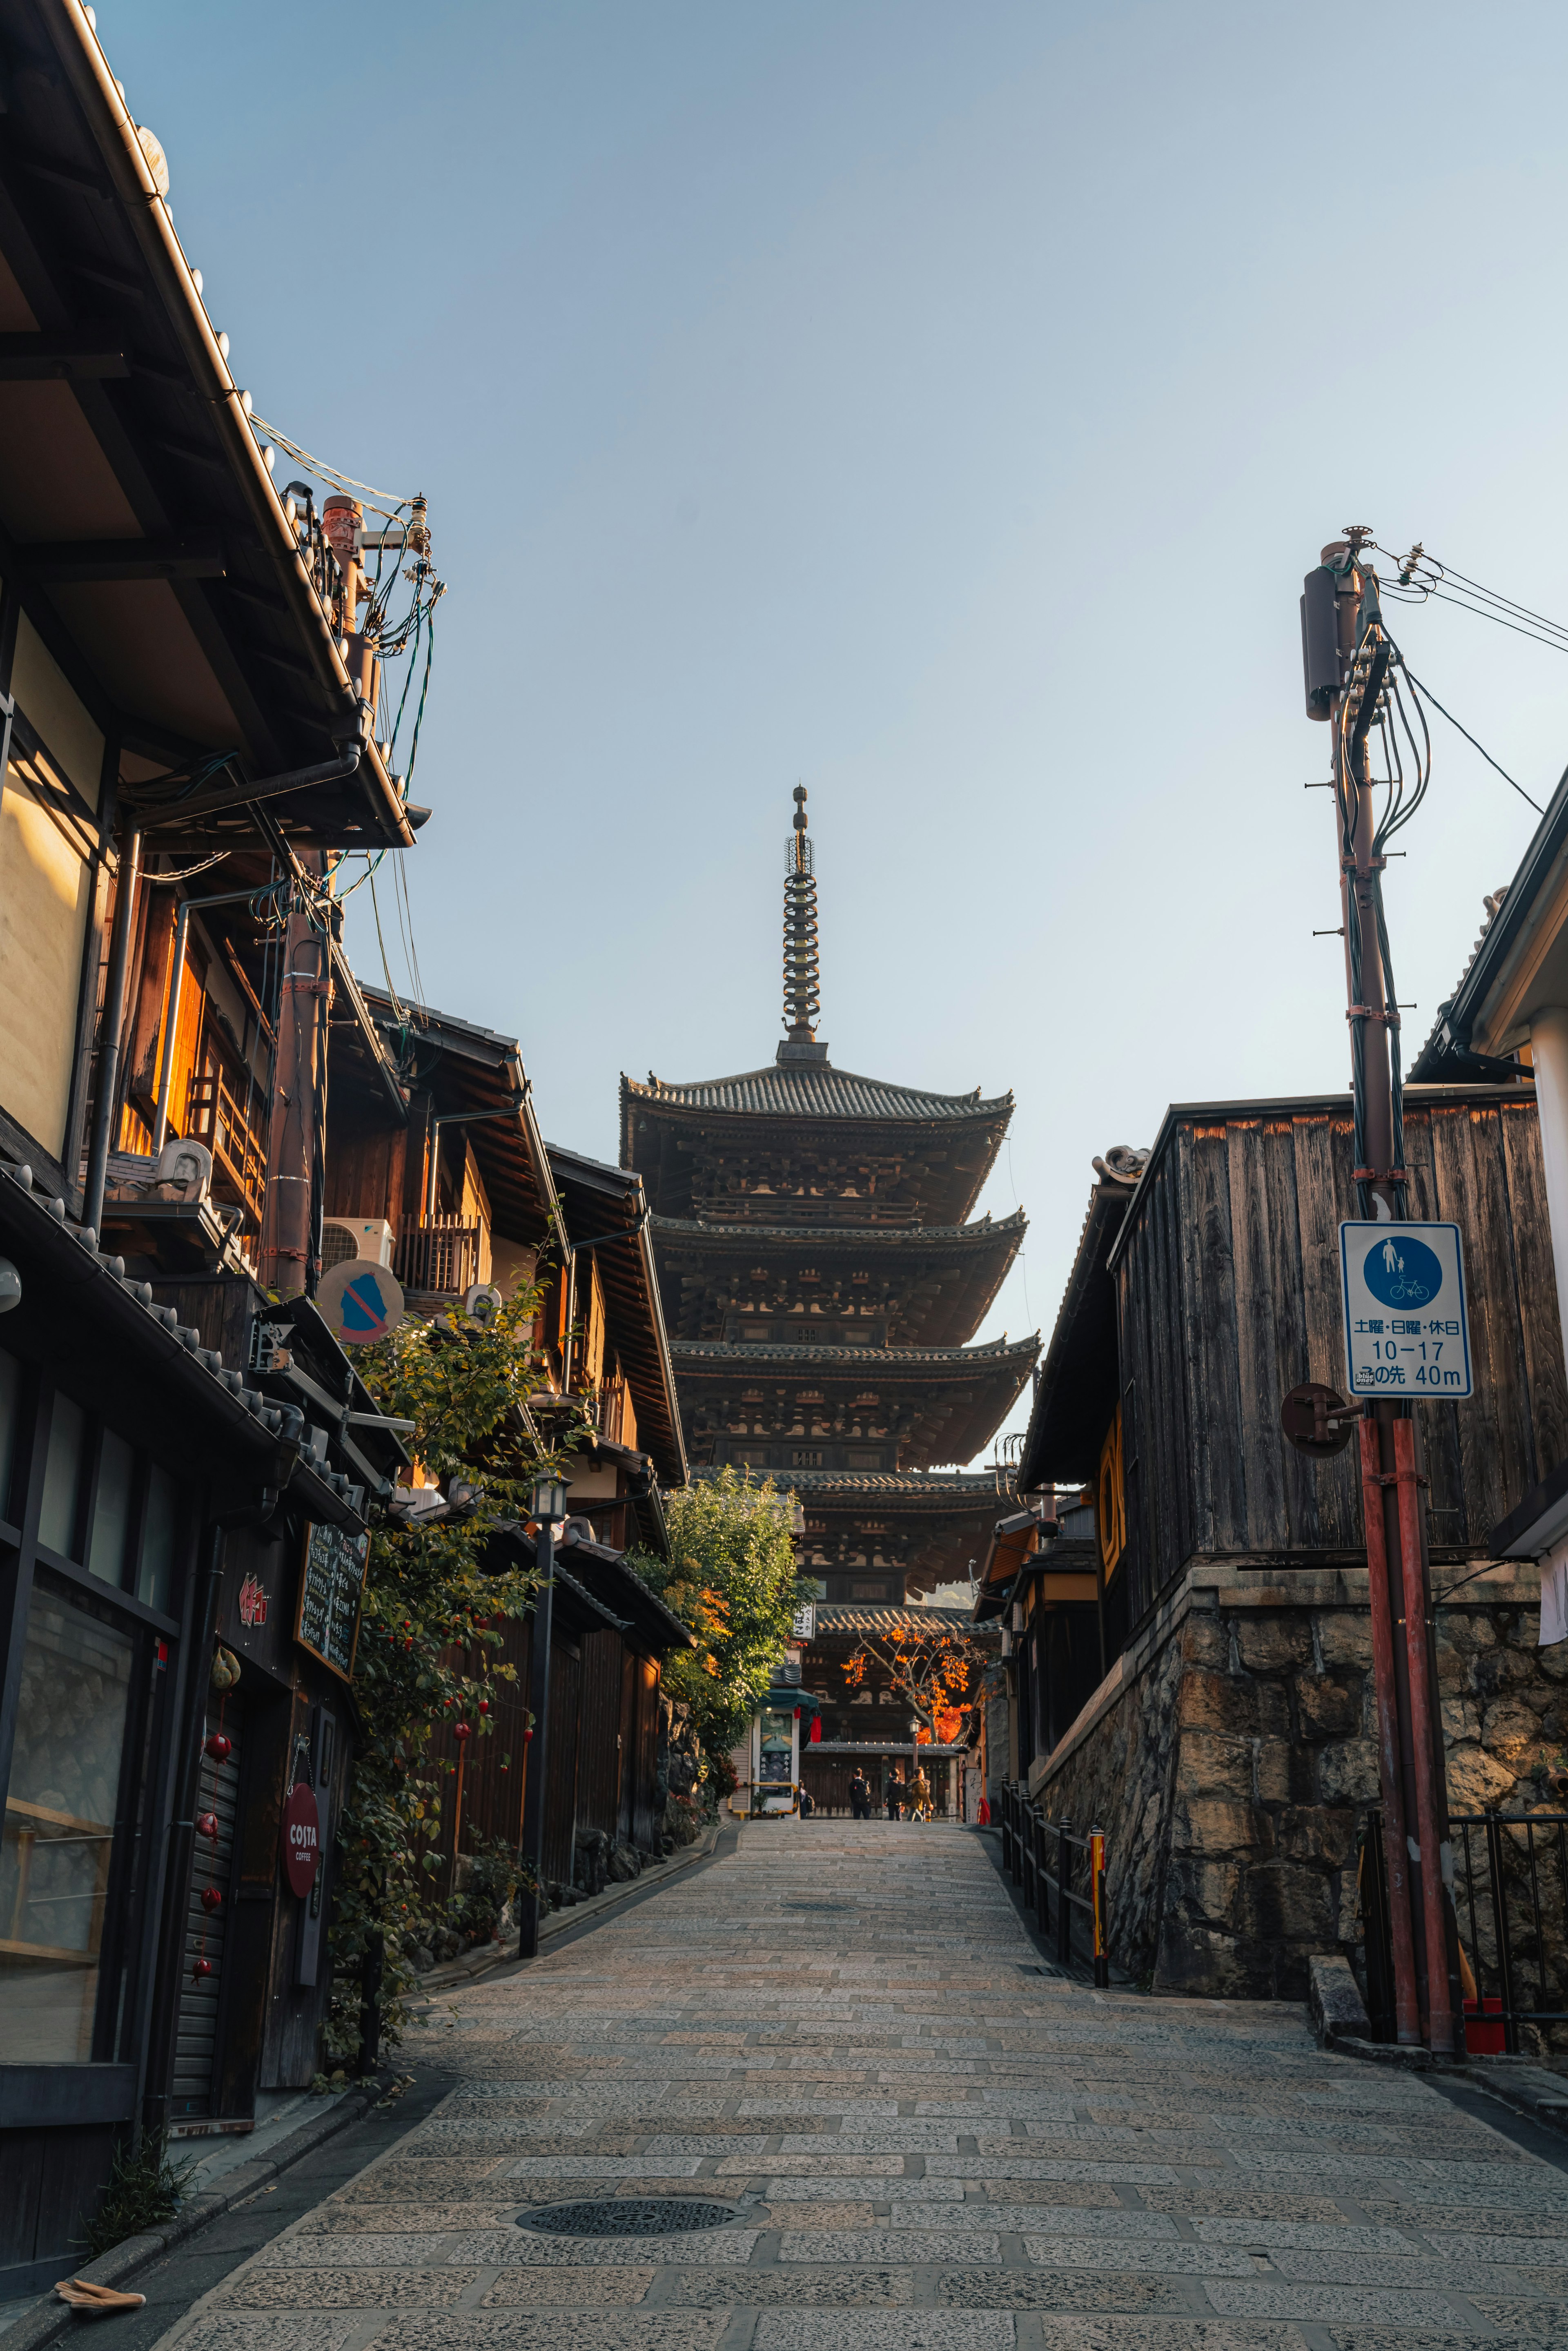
[[839, 2033]]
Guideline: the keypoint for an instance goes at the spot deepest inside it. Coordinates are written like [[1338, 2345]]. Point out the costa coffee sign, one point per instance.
[[301, 1839]]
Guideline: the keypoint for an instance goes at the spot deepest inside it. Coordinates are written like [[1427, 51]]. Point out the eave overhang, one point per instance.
[[141, 530], [1076, 1389], [604, 1207]]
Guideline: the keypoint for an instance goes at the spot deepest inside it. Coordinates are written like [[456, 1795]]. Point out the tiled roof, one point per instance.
[[837, 1616], [887, 1363], [892, 1489], [730, 1237], [816, 1091]]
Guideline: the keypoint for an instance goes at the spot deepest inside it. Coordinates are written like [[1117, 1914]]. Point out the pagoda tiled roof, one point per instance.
[[885, 1363], [816, 1090], [888, 1489], [737, 1235]]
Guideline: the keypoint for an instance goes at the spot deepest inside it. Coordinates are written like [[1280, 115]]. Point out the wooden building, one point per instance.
[[822, 1281], [1508, 1021], [1229, 1747], [185, 713]]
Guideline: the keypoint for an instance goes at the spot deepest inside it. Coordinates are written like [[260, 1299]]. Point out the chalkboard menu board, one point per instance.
[[330, 1584]]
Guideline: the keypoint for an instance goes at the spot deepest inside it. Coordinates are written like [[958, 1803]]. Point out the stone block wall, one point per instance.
[[1231, 1754]]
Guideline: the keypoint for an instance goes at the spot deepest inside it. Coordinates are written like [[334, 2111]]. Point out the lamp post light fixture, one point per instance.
[[548, 1509]]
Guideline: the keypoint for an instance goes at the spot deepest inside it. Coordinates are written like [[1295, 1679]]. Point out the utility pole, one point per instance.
[[290, 1237], [1347, 657], [548, 1511]]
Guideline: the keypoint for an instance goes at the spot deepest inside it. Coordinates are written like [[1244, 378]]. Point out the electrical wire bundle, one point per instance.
[[402, 556]]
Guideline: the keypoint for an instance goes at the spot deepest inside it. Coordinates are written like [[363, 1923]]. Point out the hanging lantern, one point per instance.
[[200, 1968], [816, 1731], [484, 1706], [210, 1899], [207, 1825], [219, 1747]]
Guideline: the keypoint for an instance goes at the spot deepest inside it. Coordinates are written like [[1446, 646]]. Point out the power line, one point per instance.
[[1470, 739]]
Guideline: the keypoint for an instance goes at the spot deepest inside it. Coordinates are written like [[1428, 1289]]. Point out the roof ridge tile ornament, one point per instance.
[[802, 976]]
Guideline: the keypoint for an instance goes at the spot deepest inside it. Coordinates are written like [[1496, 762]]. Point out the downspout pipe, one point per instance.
[[113, 1028], [454, 1118], [266, 788]]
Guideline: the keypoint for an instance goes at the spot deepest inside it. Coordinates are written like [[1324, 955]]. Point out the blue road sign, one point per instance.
[[1407, 1325]]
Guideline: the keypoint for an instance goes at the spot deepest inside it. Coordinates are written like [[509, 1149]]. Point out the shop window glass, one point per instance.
[[156, 1581], [10, 1407], [62, 1477], [111, 1508], [60, 1810]]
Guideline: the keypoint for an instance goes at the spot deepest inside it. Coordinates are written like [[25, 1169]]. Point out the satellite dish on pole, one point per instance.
[[360, 1301]]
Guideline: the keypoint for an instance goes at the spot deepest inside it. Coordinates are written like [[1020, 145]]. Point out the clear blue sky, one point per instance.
[[937, 405]]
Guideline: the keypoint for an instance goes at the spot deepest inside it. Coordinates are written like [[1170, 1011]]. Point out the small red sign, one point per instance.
[[301, 1839], [252, 1603]]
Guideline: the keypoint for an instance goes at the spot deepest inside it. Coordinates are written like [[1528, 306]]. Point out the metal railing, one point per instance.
[[1046, 1879], [1511, 1906], [441, 1254]]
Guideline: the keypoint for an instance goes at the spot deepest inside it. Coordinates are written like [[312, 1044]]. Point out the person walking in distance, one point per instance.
[[895, 1790], [921, 1807], [860, 1796]]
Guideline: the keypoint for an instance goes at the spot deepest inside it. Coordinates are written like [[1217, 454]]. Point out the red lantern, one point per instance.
[[210, 1899], [200, 1968], [220, 1748], [527, 1735], [462, 1731], [207, 1825], [484, 1706], [816, 1731]]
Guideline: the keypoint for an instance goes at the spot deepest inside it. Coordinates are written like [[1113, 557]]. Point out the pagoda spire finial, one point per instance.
[[802, 982]]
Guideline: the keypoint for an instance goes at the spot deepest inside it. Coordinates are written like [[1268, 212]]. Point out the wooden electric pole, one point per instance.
[[1348, 658]]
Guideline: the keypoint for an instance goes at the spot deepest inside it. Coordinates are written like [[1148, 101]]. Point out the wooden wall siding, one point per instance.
[[493, 1769], [1227, 1295], [646, 1826], [365, 1171], [561, 1781], [598, 1765]]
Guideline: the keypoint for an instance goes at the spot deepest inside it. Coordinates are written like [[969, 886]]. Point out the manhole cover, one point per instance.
[[627, 2215]]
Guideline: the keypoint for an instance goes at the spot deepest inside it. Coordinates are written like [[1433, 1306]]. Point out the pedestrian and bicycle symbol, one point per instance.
[[1406, 1329]]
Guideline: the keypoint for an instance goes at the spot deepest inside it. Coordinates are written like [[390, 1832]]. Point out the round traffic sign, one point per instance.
[[359, 1300], [1400, 1270]]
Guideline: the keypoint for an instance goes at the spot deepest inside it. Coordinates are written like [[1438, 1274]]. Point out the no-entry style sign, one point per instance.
[[1406, 1327], [301, 1838]]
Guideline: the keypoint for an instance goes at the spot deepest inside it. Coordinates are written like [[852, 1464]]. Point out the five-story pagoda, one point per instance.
[[820, 1281]]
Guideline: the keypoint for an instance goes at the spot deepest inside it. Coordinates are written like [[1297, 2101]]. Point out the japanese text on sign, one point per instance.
[[330, 1582], [1407, 1326]]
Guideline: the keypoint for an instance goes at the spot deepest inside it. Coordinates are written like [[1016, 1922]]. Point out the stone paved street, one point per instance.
[[841, 2033]]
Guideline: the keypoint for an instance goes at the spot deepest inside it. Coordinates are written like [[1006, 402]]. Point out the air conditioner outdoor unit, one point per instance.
[[347, 1237]]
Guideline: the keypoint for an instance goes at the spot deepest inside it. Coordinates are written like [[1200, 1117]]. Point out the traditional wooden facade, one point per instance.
[[821, 1280], [1229, 1745], [184, 712]]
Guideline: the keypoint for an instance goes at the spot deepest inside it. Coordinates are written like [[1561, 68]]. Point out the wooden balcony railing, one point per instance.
[[215, 1114], [440, 1256]]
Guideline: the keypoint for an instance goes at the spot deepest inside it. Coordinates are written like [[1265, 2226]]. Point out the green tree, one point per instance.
[[428, 1629], [730, 1578]]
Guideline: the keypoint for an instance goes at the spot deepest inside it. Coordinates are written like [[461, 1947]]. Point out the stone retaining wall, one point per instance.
[[1231, 1753]]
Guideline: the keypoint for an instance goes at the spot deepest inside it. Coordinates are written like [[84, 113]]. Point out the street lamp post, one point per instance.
[[548, 1511]]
